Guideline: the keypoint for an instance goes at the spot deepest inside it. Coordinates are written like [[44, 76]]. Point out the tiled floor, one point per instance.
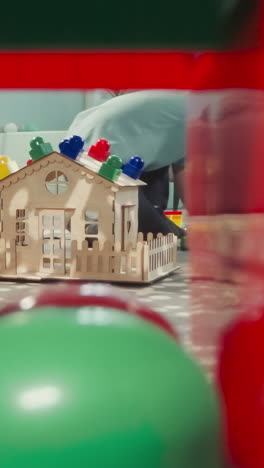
[[169, 296], [197, 321]]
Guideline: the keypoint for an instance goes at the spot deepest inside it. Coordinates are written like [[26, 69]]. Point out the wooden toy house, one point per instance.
[[59, 218]]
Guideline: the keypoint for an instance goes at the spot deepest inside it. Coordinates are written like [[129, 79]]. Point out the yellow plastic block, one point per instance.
[[7, 166], [4, 167]]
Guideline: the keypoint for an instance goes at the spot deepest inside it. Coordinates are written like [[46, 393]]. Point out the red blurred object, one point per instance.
[[200, 144], [241, 379], [76, 295], [100, 151], [124, 66], [29, 161]]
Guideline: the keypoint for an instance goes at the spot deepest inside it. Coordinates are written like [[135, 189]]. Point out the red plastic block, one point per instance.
[[100, 151]]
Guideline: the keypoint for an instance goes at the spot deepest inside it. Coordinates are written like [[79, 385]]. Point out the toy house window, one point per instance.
[[56, 182], [21, 214], [128, 219], [21, 227], [91, 227]]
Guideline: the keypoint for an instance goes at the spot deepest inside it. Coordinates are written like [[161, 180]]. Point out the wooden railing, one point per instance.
[[159, 255], [143, 262], [107, 261]]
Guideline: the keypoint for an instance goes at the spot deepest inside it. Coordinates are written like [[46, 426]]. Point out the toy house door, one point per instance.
[[52, 239], [128, 225]]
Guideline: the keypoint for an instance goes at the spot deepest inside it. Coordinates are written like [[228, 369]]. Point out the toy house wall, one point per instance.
[[126, 216], [83, 194]]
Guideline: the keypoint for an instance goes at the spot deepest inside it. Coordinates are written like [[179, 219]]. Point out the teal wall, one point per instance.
[[45, 110]]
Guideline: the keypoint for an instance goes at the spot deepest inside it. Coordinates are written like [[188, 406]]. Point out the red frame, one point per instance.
[[78, 70], [131, 70], [100, 69]]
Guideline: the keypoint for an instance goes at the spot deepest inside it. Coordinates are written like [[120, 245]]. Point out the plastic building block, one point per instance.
[[39, 148], [71, 147], [4, 169], [134, 167], [7, 166], [29, 127], [174, 216], [111, 168], [100, 151], [13, 166], [183, 241]]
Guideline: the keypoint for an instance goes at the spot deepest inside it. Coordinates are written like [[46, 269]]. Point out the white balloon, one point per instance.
[[10, 127]]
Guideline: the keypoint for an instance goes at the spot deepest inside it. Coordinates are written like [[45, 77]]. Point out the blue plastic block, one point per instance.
[[71, 147], [134, 167]]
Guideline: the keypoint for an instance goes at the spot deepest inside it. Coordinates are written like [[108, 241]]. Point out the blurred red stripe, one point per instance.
[[74, 69], [84, 70], [132, 70]]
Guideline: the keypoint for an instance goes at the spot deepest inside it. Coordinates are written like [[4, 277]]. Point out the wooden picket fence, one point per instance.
[[143, 262], [160, 253]]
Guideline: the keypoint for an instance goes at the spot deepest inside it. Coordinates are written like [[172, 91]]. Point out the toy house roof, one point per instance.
[[123, 180], [87, 164]]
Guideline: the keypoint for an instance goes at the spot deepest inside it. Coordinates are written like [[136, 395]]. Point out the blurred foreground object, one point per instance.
[[241, 379], [95, 386]]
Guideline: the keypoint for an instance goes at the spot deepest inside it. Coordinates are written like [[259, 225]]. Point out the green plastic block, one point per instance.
[[183, 241], [111, 168], [39, 148]]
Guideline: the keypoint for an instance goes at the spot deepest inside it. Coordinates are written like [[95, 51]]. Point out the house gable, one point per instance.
[[123, 181], [49, 160]]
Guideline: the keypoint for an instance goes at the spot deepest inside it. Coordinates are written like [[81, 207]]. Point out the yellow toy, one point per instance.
[[174, 216], [7, 167]]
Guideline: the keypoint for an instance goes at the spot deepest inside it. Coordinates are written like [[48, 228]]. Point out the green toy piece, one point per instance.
[[29, 127], [100, 388], [183, 241], [183, 244], [39, 148], [111, 168]]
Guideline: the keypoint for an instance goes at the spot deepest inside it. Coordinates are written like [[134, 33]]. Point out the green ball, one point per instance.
[[99, 388]]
